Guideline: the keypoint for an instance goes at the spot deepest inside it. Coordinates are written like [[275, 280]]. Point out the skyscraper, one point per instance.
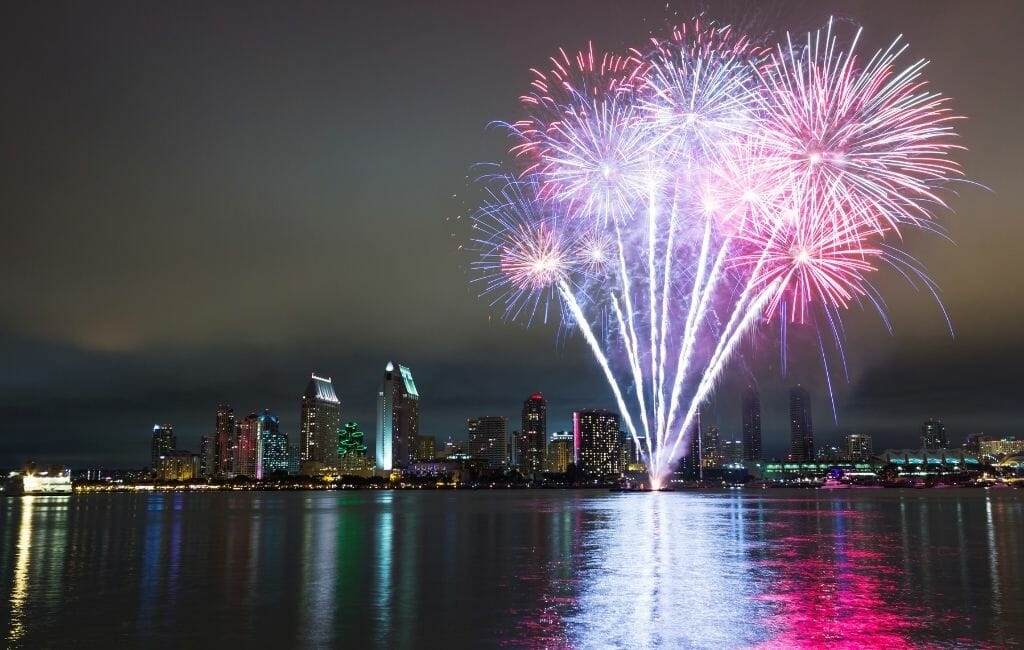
[[801, 428], [933, 434], [245, 446], [224, 441], [858, 447], [488, 439], [206, 456], [398, 418], [161, 446], [752, 449], [596, 437], [271, 446], [533, 439], [561, 452], [320, 415], [711, 447]]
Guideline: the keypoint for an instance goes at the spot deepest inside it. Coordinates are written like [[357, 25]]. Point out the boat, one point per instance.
[[32, 480]]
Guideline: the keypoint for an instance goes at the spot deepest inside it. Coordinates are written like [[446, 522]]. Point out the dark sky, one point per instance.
[[208, 201]]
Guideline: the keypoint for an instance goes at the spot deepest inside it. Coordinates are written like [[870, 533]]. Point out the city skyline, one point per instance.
[[93, 357]]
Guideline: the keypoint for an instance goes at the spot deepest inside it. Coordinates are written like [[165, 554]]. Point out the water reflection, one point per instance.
[[515, 569]]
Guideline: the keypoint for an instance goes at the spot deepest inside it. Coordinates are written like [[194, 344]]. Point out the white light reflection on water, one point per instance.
[[667, 570], [19, 591]]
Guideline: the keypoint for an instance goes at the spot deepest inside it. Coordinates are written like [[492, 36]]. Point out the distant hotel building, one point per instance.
[[245, 446], [488, 440], [801, 428], [731, 451], [271, 446], [533, 438], [161, 446], [752, 449], [224, 441], [561, 452], [320, 417], [596, 437], [933, 434], [398, 418], [858, 447]]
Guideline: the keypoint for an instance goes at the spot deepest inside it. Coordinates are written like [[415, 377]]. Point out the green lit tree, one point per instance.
[[350, 441]]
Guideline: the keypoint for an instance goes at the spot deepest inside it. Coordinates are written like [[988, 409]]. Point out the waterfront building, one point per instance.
[[176, 465], [561, 452], [426, 448], [858, 447], [752, 446], [731, 451], [398, 418], [933, 434], [206, 456], [271, 446], [294, 457], [711, 448], [488, 440], [245, 446], [224, 441], [801, 428], [534, 435], [319, 417], [161, 445], [596, 441], [991, 448]]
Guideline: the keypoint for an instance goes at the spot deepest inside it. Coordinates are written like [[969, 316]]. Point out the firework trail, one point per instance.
[[666, 201]]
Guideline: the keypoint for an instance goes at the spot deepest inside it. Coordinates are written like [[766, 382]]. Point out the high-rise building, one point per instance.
[[596, 441], [711, 447], [224, 441], [176, 465], [858, 446], [245, 446], [534, 435], [933, 434], [689, 468], [993, 448], [320, 415], [752, 449], [731, 451], [398, 418], [161, 445], [206, 456], [294, 457], [271, 446], [561, 452], [801, 428], [488, 439], [426, 448]]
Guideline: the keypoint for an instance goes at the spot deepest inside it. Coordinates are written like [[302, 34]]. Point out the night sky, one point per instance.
[[205, 202]]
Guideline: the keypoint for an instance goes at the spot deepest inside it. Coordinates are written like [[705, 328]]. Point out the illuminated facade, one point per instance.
[[177, 465], [533, 438], [859, 447], [933, 434], [224, 441], [206, 456], [319, 418], [751, 401], [801, 427], [161, 445], [596, 441], [398, 418], [711, 447], [246, 438], [488, 440], [271, 446], [426, 448], [561, 452], [1001, 448]]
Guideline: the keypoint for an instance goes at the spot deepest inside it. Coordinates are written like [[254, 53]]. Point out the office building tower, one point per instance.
[[398, 418], [426, 448], [858, 447], [596, 441], [801, 428], [294, 457], [534, 435], [245, 446], [319, 418], [561, 452], [271, 446], [711, 447], [176, 465], [224, 441], [933, 435], [731, 451], [206, 456], [752, 449], [488, 440], [161, 445]]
